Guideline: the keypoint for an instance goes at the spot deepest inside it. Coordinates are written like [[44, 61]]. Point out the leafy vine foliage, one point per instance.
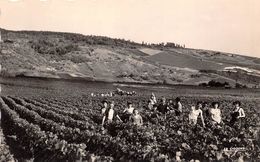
[[60, 130]]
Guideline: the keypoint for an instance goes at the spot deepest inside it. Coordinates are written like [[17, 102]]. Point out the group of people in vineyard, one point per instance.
[[200, 110], [130, 113], [213, 114]]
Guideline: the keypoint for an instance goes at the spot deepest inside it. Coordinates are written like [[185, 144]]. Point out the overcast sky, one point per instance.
[[224, 25]]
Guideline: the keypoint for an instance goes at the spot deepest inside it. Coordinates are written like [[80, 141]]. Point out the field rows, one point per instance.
[[69, 130], [36, 141]]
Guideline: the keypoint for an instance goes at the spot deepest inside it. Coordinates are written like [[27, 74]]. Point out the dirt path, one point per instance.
[[5, 155]]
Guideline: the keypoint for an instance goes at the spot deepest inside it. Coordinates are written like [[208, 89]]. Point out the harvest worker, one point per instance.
[[104, 107], [215, 113], [205, 109], [195, 113], [163, 106], [178, 106], [150, 105], [171, 105], [128, 111], [110, 113], [237, 114], [153, 99], [136, 118], [206, 114]]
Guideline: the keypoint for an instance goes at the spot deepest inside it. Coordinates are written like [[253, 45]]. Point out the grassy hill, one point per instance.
[[69, 56]]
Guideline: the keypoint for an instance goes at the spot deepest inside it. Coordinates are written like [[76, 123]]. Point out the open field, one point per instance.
[[58, 120]]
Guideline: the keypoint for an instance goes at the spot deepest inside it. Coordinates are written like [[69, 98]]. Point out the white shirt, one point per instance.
[[215, 115], [129, 110], [194, 114], [137, 119], [240, 111], [110, 114], [153, 100], [179, 106], [103, 110]]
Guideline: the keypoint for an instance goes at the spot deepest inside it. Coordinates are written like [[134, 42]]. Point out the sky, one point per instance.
[[222, 25]]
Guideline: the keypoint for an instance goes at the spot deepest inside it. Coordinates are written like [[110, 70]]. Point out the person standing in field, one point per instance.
[[195, 113], [205, 109], [104, 107], [163, 106], [128, 111], [110, 113], [215, 113], [153, 99], [150, 105], [178, 106], [136, 118], [171, 105], [206, 113], [237, 114]]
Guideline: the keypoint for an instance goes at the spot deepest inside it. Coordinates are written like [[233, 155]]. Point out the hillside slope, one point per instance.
[[67, 55]]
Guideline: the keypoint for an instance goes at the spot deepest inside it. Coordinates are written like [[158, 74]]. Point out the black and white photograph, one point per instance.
[[129, 81]]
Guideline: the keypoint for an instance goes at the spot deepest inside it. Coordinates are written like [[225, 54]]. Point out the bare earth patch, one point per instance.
[[150, 51]]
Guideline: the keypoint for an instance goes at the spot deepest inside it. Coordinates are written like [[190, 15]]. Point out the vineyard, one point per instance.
[[52, 129]]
